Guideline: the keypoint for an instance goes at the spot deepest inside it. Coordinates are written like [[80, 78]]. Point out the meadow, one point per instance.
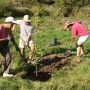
[[68, 77]]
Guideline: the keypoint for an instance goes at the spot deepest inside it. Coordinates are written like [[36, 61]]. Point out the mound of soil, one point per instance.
[[46, 66]]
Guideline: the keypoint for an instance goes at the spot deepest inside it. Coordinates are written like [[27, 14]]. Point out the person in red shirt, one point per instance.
[[77, 29], [5, 36]]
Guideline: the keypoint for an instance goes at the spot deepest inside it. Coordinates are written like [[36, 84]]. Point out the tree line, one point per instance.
[[44, 7]]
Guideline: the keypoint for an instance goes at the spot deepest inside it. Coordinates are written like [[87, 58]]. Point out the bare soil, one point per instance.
[[45, 68]]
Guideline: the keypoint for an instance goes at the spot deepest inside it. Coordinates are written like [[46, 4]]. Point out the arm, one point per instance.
[[14, 27], [73, 31], [72, 41]]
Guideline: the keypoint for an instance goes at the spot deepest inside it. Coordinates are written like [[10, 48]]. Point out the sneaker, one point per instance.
[[7, 75]]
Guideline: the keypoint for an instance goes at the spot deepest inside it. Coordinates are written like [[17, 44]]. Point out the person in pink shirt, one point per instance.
[[77, 29], [5, 36]]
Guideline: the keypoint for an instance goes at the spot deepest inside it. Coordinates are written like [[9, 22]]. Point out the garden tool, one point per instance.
[[22, 56], [68, 52]]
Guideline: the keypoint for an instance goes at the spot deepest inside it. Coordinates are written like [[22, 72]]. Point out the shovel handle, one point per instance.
[[70, 46], [22, 57]]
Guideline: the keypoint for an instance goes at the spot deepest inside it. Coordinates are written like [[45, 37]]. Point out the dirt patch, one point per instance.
[[42, 71]]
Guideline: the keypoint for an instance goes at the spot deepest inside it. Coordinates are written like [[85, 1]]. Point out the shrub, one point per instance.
[[82, 12], [44, 7]]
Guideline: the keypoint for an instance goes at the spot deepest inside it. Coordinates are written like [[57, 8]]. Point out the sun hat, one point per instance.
[[10, 19], [68, 23], [26, 18]]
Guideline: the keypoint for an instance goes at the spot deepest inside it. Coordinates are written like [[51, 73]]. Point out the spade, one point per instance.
[[67, 52]]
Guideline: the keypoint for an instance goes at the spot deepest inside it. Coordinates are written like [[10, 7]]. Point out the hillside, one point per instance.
[[53, 70], [52, 8]]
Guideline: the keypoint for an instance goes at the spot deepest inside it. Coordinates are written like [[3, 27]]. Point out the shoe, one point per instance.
[[7, 75]]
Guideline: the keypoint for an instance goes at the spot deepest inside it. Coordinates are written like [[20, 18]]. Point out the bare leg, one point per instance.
[[22, 50], [7, 59], [82, 51], [31, 53], [78, 51], [77, 59]]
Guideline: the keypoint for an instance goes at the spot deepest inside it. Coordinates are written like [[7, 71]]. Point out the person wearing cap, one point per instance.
[[26, 31], [77, 29], [5, 36]]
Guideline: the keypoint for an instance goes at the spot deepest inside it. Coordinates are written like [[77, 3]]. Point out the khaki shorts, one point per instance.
[[22, 43], [82, 39]]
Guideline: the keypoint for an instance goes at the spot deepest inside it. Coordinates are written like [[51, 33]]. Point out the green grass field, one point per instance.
[[68, 77]]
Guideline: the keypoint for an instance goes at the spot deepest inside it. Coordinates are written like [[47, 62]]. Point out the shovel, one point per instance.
[[67, 52], [25, 60]]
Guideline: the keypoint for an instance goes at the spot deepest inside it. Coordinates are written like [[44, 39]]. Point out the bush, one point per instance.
[[17, 12], [82, 12], [44, 7]]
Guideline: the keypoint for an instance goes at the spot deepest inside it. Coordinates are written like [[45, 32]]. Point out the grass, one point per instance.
[[68, 77], [4, 2]]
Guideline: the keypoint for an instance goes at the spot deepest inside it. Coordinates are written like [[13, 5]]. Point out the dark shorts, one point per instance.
[[3, 44], [4, 49]]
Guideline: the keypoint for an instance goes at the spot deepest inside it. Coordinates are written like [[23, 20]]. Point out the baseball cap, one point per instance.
[[10, 19], [26, 18]]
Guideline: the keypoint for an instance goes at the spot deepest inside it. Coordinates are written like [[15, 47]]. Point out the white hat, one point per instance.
[[26, 18], [10, 19]]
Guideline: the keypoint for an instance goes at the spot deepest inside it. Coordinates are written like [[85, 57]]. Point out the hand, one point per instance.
[[14, 27], [26, 43], [70, 45]]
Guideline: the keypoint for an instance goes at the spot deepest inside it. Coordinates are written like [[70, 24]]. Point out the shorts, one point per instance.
[[22, 43], [5, 52], [82, 39]]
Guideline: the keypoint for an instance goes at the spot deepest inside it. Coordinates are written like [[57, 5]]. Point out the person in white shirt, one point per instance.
[[26, 31]]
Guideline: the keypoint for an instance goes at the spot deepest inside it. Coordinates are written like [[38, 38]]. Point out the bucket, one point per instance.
[[54, 41]]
